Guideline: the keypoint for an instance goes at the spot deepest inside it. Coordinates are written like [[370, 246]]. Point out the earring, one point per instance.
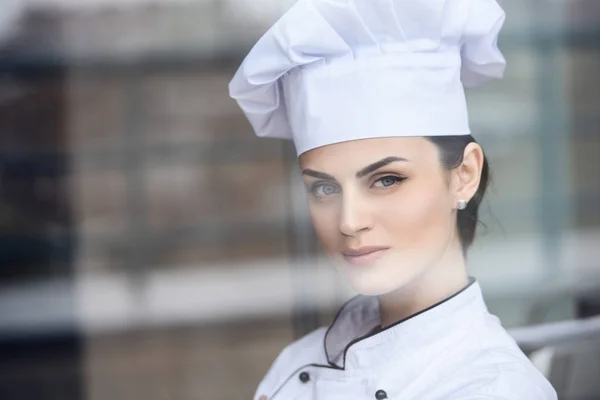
[[462, 204]]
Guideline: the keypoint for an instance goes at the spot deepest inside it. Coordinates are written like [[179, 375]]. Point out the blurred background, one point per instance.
[[151, 247]]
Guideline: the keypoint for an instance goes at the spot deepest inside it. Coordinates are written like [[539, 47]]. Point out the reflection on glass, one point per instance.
[[152, 247]]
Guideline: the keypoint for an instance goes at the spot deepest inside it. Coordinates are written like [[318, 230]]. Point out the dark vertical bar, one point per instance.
[[38, 241], [301, 240], [552, 136], [134, 152]]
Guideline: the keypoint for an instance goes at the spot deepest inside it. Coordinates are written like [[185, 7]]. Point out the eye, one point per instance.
[[387, 181], [323, 189]]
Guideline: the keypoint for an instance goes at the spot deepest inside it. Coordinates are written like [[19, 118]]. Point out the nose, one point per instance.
[[354, 216]]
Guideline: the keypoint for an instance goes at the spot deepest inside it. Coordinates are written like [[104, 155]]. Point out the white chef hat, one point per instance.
[[331, 71]]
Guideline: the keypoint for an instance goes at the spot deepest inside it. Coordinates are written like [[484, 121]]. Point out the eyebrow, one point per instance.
[[317, 174], [379, 164], [365, 171]]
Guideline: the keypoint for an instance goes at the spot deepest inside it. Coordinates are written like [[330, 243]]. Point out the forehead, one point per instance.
[[356, 154]]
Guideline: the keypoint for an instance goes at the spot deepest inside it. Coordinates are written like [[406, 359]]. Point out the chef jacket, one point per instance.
[[454, 350]]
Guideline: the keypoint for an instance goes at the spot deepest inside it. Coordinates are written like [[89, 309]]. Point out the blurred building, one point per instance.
[[135, 198], [121, 155], [584, 98]]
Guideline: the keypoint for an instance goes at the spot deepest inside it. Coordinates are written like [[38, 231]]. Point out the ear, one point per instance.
[[467, 175]]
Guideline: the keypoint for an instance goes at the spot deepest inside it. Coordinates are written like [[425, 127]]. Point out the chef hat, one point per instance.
[[331, 71]]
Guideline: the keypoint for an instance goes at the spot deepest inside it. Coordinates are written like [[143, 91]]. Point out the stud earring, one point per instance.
[[462, 204]]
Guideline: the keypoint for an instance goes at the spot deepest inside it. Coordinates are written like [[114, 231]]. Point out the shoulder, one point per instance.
[[492, 366], [507, 386], [500, 375], [306, 350]]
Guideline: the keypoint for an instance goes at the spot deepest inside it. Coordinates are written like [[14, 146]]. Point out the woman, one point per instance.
[[372, 94]]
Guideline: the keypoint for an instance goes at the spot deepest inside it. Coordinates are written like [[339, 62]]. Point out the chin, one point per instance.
[[367, 288], [371, 290], [376, 280]]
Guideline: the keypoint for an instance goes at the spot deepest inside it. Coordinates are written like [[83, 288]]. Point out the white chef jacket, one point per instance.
[[454, 350]]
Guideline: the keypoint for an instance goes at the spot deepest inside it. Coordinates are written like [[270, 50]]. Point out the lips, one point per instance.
[[363, 255]]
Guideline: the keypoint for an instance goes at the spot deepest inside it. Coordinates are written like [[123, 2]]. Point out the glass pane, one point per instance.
[[152, 247]]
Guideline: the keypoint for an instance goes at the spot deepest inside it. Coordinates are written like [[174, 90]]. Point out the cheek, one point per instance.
[[324, 220], [420, 217]]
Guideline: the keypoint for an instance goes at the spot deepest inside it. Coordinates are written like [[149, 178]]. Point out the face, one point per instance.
[[383, 209]]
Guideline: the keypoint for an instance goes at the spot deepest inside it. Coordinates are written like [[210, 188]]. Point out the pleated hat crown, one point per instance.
[[330, 71]]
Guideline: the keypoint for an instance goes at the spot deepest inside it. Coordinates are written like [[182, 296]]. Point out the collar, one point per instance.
[[354, 342]]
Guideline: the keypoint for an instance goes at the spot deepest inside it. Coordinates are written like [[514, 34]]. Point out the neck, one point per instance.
[[438, 282]]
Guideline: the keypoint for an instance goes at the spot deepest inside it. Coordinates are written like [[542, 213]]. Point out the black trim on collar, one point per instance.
[[296, 372], [337, 315], [376, 331]]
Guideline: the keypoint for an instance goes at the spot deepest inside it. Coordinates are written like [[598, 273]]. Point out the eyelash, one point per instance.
[[315, 186], [397, 179]]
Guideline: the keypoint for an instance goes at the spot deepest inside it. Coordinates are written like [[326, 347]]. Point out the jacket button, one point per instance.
[[304, 377], [380, 395]]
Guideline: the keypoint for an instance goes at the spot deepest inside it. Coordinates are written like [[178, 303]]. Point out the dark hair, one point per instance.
[[451, 156]]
